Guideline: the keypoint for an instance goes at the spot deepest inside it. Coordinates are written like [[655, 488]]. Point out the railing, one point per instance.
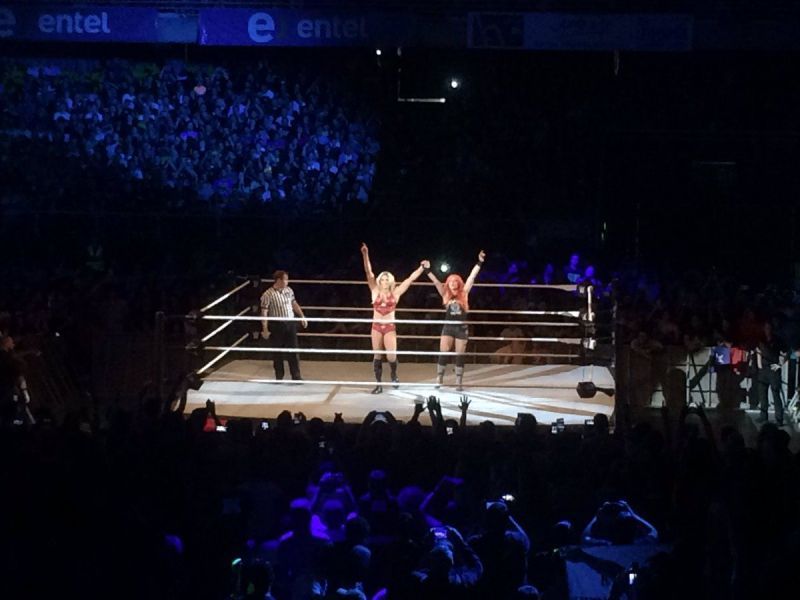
[[676, 375], [52, 383]]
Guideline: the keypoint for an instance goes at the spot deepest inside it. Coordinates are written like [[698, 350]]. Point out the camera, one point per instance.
[[507, 498], [264, 425], [589, 422], [221, 428], [449, 431]]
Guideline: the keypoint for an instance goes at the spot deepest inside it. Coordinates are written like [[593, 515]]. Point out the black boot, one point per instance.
[[393, 367], [377, 367]]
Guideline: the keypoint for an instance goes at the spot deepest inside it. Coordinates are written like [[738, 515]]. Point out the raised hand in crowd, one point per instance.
[[435, 410], [419, 408], [464, 406]]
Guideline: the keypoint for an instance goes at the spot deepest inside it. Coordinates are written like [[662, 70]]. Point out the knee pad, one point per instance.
[[460, 361], [443, 361]]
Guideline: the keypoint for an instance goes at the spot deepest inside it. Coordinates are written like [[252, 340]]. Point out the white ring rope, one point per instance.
[[436, 337], [388, 384], [224, 350], [217, 358], [381, 321], [398, 352], [571, 287], [224, 325], [224, 296], [560, 313]]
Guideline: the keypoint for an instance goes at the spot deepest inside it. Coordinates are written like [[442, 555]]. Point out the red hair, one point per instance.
[[459, 296]]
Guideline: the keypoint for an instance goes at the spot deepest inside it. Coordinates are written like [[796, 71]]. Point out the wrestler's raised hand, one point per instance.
[[425, 264], [481, 256], [364, 249]]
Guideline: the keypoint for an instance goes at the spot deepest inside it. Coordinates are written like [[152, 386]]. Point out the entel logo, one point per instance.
[[261, 27], [69, 23], [7, 22], [74, 23]]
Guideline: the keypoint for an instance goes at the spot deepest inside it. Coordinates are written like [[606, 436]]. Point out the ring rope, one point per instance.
[[382, 321], [387, 384], [561, 313], [223, 326], [224, 296], [216, 359], [528, 323], [350, 351], [566, 287], [436, 337]]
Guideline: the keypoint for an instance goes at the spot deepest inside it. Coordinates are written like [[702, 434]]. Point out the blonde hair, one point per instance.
[[389, 276]]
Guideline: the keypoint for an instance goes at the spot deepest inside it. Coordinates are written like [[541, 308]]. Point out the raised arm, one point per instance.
[[403, 287], [368, 267], [475, 270], [438, 284]]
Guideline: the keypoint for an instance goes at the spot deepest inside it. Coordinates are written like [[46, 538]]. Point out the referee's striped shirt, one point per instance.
[[278, 303]]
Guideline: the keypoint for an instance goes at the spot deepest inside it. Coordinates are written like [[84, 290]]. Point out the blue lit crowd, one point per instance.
[[248, 133]]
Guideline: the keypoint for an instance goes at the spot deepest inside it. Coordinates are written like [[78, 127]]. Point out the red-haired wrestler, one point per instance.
[[454, 292], [385, 296]]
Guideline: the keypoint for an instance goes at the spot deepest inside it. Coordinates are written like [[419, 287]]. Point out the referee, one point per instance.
[[278, 301]]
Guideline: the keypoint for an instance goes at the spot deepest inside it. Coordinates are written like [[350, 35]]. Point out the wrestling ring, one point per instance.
[[555, 361]]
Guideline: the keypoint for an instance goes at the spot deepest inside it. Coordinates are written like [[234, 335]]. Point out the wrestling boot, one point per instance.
[[395, 380]]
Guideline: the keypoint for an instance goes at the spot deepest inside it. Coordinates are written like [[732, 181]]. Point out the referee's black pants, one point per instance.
[[767, 380], [283, 334]]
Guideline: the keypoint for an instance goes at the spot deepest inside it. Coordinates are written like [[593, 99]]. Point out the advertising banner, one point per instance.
[[562, 31], [308, 28], [85, 24]]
